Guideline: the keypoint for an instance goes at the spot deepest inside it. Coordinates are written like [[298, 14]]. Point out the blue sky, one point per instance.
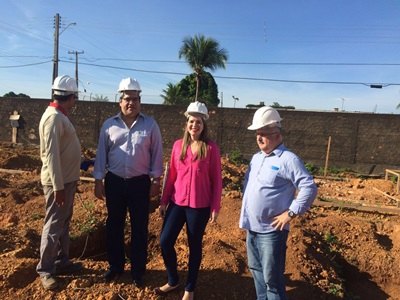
[[278, 50]]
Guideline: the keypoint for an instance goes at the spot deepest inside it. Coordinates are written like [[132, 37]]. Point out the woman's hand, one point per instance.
[[214, 217], [162, 209]]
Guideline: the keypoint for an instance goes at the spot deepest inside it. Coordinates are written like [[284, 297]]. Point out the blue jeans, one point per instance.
[[196, 220], [266, 254]]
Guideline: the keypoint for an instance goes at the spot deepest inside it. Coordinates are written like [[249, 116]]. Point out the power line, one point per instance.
[[25, 56], [253, 63], [372, 85], [26, 65], [228, 63]]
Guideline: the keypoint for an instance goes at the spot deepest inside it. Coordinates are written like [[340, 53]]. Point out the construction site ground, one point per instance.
[[346, 247]]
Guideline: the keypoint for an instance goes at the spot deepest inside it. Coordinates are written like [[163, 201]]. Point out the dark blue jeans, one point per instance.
[[196, 221], [131, 195]]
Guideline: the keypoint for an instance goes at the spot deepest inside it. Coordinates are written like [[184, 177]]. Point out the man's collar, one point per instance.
[[276, 152], [59, 107], [119, 115]]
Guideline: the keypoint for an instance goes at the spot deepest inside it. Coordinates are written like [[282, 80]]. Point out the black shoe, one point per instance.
[[111, 275]]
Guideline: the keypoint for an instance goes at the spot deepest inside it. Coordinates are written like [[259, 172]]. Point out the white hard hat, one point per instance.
[[64, 86], [264, 116], [129, 84], [197, 108]]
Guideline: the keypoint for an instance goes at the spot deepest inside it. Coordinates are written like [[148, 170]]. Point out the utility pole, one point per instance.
[[57, 33], [56, 39], [76, 64]]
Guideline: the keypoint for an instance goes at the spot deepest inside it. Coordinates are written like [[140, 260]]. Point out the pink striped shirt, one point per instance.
[[194, 183]]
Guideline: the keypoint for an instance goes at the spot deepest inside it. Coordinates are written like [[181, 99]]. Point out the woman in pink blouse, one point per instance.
[[192, 195]]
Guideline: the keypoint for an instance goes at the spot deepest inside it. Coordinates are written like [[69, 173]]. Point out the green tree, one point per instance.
[[208, 92], [183, 92], [202, 53], [172, 94], [14, 95], [277, 105], [100, 98]]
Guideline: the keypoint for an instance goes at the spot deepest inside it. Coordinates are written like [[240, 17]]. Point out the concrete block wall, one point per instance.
[[364, 142]]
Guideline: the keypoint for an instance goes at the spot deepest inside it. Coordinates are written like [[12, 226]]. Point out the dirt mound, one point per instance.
[[346, 247]]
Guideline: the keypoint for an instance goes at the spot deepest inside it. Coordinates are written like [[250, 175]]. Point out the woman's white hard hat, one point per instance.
[[265, 116], [64, 85], [129, 84], [197, 107]]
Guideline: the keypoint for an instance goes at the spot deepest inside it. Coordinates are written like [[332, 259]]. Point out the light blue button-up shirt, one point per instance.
[[129, 152], [273, 184]]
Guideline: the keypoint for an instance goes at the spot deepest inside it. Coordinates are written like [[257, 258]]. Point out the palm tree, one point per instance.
[[202, 53], [172, 94]]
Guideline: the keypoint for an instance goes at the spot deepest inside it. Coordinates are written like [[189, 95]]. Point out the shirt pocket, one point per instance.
[[140, 138], [269, 176]]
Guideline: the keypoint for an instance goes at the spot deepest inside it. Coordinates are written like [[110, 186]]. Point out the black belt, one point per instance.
[[134, 178]]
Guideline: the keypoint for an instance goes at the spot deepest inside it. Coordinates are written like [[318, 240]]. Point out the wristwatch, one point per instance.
[[291, 214]]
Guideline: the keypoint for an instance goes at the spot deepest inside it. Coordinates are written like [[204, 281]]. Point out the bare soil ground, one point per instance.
[[346, 247]]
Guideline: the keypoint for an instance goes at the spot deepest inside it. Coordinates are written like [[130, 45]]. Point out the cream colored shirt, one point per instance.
[[60, 150]]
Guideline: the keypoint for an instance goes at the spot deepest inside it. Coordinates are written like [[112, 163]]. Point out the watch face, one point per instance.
[[291, 214]]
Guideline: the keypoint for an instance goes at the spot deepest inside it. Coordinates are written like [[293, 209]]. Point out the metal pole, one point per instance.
[[56, 42]]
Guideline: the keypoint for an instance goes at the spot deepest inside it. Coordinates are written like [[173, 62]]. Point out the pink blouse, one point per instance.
[[194, 183]]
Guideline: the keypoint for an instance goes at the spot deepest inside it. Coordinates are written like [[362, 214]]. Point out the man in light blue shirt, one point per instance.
[[129, 159], [277, 188]]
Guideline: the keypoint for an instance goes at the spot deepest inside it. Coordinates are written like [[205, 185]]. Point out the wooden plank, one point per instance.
[[396, 173], [386, 195], [90, 179], [10, 171]]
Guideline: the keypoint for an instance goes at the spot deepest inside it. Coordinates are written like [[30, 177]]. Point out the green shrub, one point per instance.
[[313, 169], [236, 157]]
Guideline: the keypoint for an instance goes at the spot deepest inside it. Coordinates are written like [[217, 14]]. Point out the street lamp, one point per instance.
[[234, 101], [343, 103], [56, 43], [70, 24]]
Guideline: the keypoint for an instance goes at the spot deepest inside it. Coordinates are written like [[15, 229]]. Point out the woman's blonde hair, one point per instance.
[[203, 140]]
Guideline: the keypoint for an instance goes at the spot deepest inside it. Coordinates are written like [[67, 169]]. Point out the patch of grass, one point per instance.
[[36, 216], [237, 157], [330, 238], [336, 290], [332, 171], [333, 245], [393, 179], [87, 225]]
